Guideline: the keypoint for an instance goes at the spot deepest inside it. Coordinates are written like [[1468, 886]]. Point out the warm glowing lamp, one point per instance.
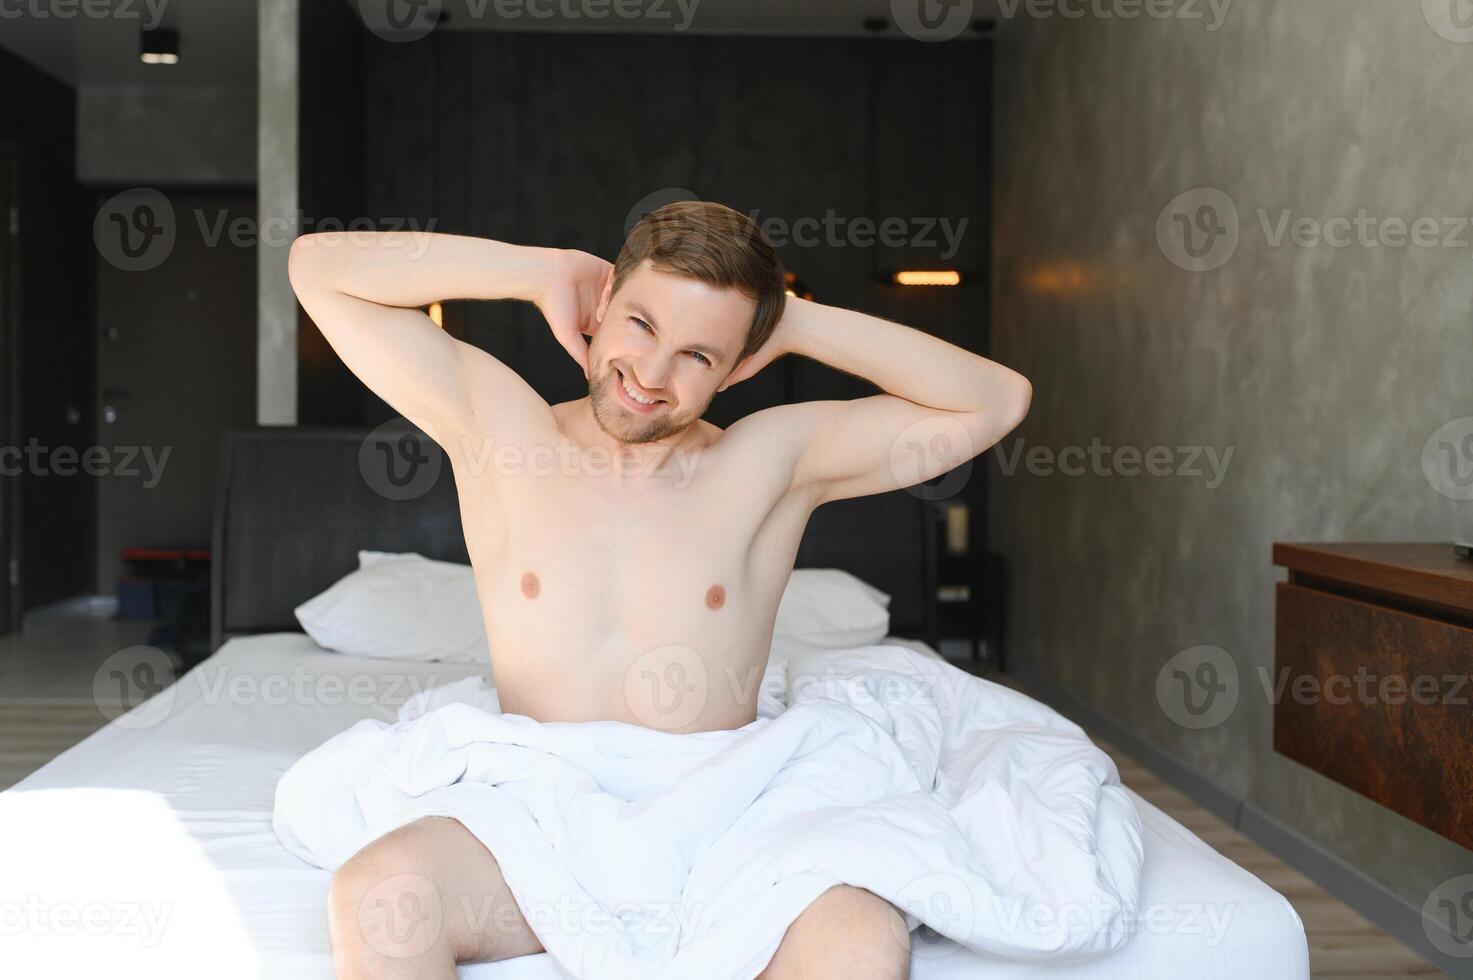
[[928, 277]]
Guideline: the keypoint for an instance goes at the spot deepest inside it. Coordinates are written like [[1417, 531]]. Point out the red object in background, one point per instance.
[[166, 554]]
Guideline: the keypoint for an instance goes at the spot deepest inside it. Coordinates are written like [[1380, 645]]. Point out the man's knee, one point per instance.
[[859, 916], [846, 931], [380, 905], [429, 887]]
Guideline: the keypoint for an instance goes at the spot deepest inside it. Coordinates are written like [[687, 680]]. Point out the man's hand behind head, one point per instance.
[[574, 301]]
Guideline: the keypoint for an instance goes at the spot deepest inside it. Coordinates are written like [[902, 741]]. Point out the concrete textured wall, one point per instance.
[[1324, 368], [277, 207]]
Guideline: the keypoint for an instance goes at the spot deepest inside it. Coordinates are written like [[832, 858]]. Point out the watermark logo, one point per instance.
[[1198, 687], [932, 20], [1364, 688], [939, 234], [135, 230], [400, 463], [1211, 12], [86, 9], [34, 916], [400, 21], [1099, 459], [937, 443], [1447, 459], [117, 461], [1447, 916], [655, 200], [139, 677], [695, 234], [940, 898], [401, 916], [1198, 230], [1451, 19], [666, 688]]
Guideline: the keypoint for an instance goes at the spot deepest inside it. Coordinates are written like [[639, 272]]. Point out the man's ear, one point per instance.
[[603, 300]]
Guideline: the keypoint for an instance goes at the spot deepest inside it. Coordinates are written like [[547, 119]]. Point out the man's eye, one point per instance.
[[640, 323], [702, 357]]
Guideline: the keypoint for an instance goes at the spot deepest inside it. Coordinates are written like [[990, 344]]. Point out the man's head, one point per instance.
[[695, 291]]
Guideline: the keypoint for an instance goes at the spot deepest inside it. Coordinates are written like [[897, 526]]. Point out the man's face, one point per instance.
[[673, 341]]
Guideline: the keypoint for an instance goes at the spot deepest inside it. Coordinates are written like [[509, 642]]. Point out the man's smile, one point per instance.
[[634, 398]]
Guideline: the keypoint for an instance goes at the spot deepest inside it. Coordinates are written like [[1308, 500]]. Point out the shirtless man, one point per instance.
[[620, 536]]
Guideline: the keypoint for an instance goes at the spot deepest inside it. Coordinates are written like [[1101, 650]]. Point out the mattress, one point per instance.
[[147, 848]]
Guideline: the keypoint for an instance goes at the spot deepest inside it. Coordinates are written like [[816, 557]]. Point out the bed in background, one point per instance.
[[294, 506], [147, 849]]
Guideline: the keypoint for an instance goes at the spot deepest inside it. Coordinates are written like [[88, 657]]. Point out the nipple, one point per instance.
[[530, 585], [715, 597]]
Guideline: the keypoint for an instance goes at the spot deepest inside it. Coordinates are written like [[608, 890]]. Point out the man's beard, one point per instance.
[[626, 426]]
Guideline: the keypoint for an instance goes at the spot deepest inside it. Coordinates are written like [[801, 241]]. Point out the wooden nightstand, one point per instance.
[[1373, 648]]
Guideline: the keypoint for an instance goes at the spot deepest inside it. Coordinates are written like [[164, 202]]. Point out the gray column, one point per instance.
[[276, 351]]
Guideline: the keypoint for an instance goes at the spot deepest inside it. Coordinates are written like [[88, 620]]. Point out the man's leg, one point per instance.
[[420, 899], [847, 932]]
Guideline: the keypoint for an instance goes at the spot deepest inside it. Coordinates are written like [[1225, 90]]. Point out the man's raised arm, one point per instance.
[[944, 405], [364, 290]]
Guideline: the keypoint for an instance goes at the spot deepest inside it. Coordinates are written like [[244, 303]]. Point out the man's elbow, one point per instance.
[[1018, 400], [299, 261], [306, 261]]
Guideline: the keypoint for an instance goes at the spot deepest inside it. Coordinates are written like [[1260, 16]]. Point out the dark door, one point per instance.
[[176, 307], [10, 476]]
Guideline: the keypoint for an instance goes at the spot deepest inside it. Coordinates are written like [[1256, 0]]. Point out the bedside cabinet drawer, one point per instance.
[[1377, 698]]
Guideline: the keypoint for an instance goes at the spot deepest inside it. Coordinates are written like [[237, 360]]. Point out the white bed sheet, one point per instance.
[[147, 849]]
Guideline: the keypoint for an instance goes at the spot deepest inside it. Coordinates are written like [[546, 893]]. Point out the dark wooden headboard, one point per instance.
[[294, 505]]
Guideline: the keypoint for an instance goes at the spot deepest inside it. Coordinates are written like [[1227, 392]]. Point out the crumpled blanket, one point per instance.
[[633, 853]]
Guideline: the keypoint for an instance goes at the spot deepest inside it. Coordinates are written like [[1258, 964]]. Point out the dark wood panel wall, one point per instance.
[[330, 171], [551, 139]]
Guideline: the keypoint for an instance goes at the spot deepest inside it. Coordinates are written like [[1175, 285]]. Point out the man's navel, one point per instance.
[[530, 585], [715, 597]]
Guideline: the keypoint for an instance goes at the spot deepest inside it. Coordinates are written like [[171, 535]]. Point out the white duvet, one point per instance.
[[634, 853]]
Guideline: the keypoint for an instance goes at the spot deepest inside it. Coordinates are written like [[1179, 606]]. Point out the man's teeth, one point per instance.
[[635, 395]]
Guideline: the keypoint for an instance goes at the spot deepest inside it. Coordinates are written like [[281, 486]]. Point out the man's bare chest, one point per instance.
[[568, 545]]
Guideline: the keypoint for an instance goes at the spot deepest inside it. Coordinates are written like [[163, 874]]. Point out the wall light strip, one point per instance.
[[927, 277]]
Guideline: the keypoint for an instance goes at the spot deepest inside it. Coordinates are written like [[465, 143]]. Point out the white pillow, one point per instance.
[[400, 607], [408, 607], [827, 608]]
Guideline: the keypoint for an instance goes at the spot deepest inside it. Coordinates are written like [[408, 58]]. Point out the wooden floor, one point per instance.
[[1342, 944], [31, 735]]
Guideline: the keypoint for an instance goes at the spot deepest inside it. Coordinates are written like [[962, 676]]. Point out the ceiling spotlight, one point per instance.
[[159, 46]]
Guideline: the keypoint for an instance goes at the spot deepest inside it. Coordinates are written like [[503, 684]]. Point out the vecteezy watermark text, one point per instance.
[[86, 9], [1099, 459], [34, 916], [38, 460], [1199, 230]]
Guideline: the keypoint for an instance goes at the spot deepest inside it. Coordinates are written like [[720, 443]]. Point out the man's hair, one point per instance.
[[713, 244]]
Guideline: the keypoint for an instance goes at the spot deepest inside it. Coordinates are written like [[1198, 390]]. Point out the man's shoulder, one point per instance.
[[789, 418], [777, 433]]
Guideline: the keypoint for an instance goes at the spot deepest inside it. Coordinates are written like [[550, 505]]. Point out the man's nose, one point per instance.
[[652, 370]]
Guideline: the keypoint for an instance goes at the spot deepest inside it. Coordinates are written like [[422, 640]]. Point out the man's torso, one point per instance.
[[642, 599]]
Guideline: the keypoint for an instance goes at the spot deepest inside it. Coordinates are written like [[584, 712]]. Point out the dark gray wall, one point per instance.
[[553, 139], [1326, 370], [176, 135]]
